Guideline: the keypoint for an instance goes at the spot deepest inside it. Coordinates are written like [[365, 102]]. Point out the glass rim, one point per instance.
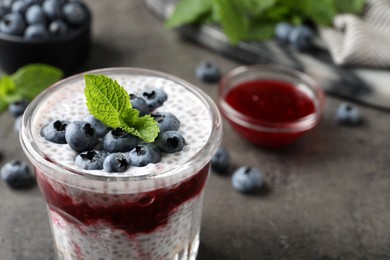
[[196, 161], [300, 124]]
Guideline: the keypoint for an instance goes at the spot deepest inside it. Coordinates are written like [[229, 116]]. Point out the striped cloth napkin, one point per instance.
[[361, 40]]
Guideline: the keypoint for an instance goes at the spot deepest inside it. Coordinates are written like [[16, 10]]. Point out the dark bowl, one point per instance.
[[66, 52]]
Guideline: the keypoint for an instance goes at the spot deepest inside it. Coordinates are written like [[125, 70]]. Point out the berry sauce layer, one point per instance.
[[142, 213]]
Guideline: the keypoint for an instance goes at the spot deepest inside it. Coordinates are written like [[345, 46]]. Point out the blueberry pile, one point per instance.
[[114, 150], [300, 37], [42, 19]]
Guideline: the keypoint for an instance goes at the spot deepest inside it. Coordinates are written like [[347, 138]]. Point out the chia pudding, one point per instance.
[[150, 212]]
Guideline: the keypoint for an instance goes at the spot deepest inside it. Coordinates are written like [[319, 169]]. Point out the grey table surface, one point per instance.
[[327, 196]]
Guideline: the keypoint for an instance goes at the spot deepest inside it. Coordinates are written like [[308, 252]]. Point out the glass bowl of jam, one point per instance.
[[270, 106]]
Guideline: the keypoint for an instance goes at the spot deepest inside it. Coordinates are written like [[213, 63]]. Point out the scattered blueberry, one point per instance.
[[18, 124], [55, 131], [170, 142], [139, 104], [155, 98], [52, 9], [12, 24], [348, 114], [91, 160], [74, 13], [33, 2], [17, 175], [166, 121], [115, 162], [17, 108], [19, 6], [144, 154], [81, 136], [301, 38], [34, 14], [220, 162], [282, 31], [36, 31], [101, 129], [247, 179], [208, 72], [118, 140]]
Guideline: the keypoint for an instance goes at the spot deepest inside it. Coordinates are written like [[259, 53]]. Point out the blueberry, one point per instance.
[[58, 28], [53, 9], [81, 136], [55, 131], [91, 160], [170, 142], [348, 114], [36, 32], [17, 175], [101, 129], [35, 14], [155, 98], [118, 140], [4, 10], [19, 6], [115, 162], [144, 154], [18, 124], [139, 104], [166, 121], [33, 2], [75, 13], [247, 179], [208, 72], [12, 24], [220, 162], [17, 108], [282, 31], [301, 38]]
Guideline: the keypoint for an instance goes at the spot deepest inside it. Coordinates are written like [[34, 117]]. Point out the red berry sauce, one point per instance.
[[269, 101], [142, 216]]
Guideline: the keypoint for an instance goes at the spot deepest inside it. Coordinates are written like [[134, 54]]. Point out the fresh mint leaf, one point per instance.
[[30, 80], [233, 19], [7, 92], [110, 103], [188, 11], [350, 6]]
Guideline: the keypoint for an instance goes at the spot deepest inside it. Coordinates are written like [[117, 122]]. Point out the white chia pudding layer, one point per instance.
[[177, 239], [69, 103]]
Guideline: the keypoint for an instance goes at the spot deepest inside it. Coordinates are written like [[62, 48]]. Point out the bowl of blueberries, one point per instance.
[[55, 32]]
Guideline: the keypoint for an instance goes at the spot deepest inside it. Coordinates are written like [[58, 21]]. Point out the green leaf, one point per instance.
[[7, 92], [321, 12], [188, 11], [233, 19], [110, 103], [261, 32], [106, 99], [349, 6], [30, 80]]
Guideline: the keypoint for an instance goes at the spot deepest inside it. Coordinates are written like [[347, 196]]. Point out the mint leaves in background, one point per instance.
[[110, 103], [27, 83], [256, 19]]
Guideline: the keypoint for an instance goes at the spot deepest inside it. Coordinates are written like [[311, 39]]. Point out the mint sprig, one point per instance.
[[110, 103], [256, 19], [26, 83]]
